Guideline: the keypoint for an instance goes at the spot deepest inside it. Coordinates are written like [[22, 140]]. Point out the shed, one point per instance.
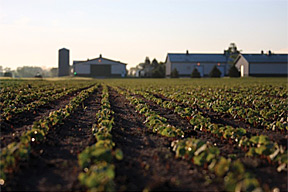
[[185, 63], [100, 68], [262, 65]]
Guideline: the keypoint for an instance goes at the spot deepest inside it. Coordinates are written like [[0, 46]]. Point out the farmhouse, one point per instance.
[[185, 63], [262, 65], [99, 67]]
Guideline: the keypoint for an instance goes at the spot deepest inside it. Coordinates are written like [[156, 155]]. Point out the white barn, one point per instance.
[[262, 65], [185, 63], [99, 67]]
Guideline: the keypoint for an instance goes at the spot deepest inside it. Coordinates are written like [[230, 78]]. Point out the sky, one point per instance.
[[32, 31]]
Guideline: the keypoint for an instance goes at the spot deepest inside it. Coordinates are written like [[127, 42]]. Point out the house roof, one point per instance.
[[266, 58], [197, 57], [95, 59]]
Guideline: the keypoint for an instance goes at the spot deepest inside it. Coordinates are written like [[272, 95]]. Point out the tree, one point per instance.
[[195, 73], [28, 71], [159, 70], [147, 61], [8, 74], [154, 63], [54, 72], [233, 72], [174, 73], [7, 69], [232, 53], [232, 49], [215, 72]]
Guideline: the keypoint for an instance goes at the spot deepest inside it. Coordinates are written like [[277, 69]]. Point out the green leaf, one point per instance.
[[118, 154], [222, 167]]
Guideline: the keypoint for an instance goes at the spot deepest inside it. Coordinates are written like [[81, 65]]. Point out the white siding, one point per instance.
[[183, 68], [168, 67], [244, 62], [268, 68], [227, 67], [187, 68], [118, 69], [207, 68], [222, 69], [82, 69], [200, 70]]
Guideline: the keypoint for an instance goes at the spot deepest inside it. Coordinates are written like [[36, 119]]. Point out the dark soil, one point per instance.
[[10, 131], [227, 119], [177, 121], [266, 173], [148, 161], [53, 165]]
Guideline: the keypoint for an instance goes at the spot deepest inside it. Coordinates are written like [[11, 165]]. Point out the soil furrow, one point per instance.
[[53, 164], [10, 131], [226, 119], [258, 166], [177, 121], [148, 161]]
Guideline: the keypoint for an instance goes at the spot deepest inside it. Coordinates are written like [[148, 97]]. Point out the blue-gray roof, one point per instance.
[[264, 58], [191, 57]]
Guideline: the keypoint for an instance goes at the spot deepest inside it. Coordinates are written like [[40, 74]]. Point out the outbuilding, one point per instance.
[[203, 62], [262, 65], [100, 68]]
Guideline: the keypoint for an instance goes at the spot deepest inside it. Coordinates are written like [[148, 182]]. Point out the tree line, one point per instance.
[[28, 71], [149, 69]]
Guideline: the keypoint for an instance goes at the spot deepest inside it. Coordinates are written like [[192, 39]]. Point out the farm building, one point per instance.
[[262, 65], [185, 63], [99, 67]]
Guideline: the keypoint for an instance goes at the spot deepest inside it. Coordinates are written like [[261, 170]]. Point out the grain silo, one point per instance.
[[63, 65]]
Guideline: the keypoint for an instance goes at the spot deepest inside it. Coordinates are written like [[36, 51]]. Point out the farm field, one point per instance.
[[144, 134]]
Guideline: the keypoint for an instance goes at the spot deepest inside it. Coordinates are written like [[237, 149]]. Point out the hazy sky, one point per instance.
[[32, 31]]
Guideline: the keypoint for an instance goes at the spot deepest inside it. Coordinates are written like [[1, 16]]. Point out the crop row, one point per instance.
[[199, 152], [264, 90], [10, 90], [20, 151], [259, 112], [12, 111], [255, 110], [10, 108], [26, 90], [97, 160], [254, 146], [22, 98]]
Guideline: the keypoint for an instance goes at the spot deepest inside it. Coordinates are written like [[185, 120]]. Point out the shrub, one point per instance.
[[215, 72], [174, 73], [159, 71], [8, 74], [195, 74], [233, 72]]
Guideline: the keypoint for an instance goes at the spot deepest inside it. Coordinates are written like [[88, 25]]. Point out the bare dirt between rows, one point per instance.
[[226, 119], [177, 121], [24, 121], [53, 164], [266, 173], [148, 161]]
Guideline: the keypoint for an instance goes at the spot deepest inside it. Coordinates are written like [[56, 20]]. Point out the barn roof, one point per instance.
[[196, 57], [98, 58], [266, 58]]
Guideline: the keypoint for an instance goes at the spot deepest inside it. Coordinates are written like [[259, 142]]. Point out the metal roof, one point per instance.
[[266, 58], [99, 58], [192, 58]]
